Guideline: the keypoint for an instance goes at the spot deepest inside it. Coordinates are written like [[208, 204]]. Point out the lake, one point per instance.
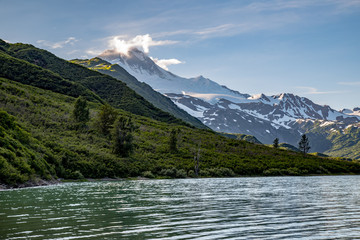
[[319, 207]]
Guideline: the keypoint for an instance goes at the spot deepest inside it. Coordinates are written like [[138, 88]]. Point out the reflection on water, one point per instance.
[[325, 207]]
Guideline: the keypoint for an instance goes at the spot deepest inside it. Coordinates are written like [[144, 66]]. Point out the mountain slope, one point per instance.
[[69, 75], [224, 110], [143, 89], [14, 68]]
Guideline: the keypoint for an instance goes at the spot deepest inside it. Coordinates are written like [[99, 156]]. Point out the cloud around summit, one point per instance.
[[144, 42]]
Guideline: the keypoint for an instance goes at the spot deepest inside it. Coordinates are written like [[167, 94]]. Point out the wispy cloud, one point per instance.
[[164, 63], [349, 83], [73, 52], [275, 5], [256, 16], [281, 5], [216, 29], [55, 45], [141, 41], [233, 27], [312, 90], [93, 52]]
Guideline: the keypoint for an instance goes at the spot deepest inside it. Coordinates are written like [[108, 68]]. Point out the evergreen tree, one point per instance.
[[276, 143], [122, 136], [105, 119], [197, 161], [81, 111], [173, 141], [304, 144]]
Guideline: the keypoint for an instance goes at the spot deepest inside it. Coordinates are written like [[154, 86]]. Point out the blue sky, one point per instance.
[[310, 48]]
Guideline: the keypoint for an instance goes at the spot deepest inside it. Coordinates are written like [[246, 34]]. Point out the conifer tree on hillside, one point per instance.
[[105, 119], [122, 136], [173, 141], [81, 111], [276, 143], [304, 144]]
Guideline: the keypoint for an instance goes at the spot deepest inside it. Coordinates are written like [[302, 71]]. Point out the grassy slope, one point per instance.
[[335, 140], [141, 88], [27, 73], [345, 144], [107, 88], [45, 115], [23, 158]]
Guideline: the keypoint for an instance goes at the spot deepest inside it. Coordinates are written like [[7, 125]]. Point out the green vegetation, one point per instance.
[[122, 136], [105, 119], [27, 73], [81, 111], [141, 88], [244, 137], [335, 140], [345, 143], [23, 158], [173, 141], [39, 138], [288, 147], [29, 65]]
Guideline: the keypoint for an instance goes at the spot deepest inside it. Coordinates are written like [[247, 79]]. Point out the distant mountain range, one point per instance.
[[284, 116]]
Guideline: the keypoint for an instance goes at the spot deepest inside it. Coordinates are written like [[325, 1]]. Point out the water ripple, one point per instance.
[[236, 208]]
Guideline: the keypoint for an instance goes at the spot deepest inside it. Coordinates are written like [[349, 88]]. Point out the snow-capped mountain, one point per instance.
[[145, 70], [284, 116]]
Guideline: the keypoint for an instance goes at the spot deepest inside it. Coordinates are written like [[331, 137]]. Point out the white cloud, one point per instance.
[[61, 44], [164, 63], [141, 41]]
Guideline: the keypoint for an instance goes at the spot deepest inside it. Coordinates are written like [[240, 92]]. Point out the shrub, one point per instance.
[[148, 174], [75, 175], [181, 173], [191, 173]]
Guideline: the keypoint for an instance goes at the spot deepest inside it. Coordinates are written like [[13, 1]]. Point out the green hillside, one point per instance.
[[346, 143], [141, 88], [22, 158], [244, 137], [71, 79], [335, 140]]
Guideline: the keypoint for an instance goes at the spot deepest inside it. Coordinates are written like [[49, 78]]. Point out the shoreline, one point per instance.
[[32, 183], [42, 182]]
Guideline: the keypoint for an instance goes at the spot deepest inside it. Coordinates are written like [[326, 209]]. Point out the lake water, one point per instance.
[[324, 207]]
